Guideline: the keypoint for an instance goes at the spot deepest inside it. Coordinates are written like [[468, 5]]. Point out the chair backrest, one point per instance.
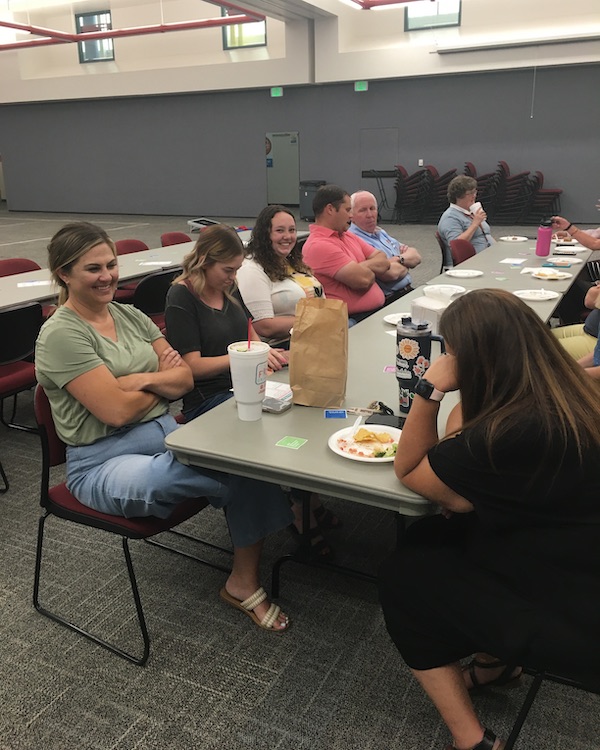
[[53, 448], [440, 242], [593, 267], [300, 243], [11, 266], [174, 238], [461, 250], [151, 293], [20, 327], [126, 246]]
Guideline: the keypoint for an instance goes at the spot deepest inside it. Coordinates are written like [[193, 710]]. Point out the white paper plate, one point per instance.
[[449, 289], [566, 259], [394, 318], [573, 247], [333, 443], [463, 273], [551, 274], [566, 243], [536, 295], [514, 238]]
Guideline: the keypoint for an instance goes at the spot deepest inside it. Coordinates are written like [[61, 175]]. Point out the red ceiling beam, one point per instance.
[[368, 4], [53, 36]]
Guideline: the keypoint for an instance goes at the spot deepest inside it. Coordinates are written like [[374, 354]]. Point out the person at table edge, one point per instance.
[[584, 237], [401, 256], [347, 267], [459, 223]]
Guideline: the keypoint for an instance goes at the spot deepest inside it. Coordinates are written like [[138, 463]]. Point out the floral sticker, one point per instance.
[[420, 366], [408, 348]]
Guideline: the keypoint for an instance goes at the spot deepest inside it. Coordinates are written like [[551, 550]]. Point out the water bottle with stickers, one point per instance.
[[413, 356]]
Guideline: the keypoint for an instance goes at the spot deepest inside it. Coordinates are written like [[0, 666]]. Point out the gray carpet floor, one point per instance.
[[213, 680]]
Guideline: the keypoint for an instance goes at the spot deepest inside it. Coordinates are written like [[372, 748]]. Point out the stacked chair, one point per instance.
[[437, 202], [411, 194], [543, 202], [512, 196], [487, 184], [507, 198]]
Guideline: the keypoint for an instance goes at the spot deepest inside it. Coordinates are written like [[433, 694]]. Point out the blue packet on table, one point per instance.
[[554, 264]]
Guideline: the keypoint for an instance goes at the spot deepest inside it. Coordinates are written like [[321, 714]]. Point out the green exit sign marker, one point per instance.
[[361, 85], [276, 91]]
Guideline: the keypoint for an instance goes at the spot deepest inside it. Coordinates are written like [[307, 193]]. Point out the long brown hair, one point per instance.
[[69, 244], [216, 244], [510, 368], [260, 247]]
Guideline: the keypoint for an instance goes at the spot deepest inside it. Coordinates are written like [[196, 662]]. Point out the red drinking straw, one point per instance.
[[249, 332]]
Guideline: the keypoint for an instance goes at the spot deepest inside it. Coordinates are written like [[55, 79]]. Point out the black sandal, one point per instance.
[[326, 519], [487, 743], [506, 677], [319, 550]]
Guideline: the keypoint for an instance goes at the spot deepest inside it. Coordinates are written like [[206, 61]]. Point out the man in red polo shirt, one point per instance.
[[346, 266]]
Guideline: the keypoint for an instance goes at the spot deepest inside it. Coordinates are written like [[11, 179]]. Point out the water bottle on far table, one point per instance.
[[544, 238], [413, 356]]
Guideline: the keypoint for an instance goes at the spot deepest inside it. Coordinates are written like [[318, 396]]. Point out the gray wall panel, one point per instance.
[[204, 153]]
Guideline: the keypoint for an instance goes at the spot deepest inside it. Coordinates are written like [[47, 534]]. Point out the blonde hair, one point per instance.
[[69, 244], [216, 244]]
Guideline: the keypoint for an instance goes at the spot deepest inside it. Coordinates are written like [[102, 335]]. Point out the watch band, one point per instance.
[[427, 390]]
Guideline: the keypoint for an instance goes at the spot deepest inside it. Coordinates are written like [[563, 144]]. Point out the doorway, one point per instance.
[[283, 168]]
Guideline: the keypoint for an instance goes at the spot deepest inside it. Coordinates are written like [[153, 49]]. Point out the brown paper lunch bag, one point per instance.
[[319, 352]]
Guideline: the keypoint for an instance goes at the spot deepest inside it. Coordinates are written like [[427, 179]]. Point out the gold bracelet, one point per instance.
[[574, 231]]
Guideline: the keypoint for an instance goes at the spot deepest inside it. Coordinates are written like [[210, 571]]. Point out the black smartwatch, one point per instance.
[[427, 390]]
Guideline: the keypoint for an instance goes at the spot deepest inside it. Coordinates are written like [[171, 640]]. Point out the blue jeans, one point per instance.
[[131, 474], [208, 404]]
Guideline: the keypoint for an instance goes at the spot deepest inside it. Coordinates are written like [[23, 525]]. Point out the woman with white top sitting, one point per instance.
[[273, 278]]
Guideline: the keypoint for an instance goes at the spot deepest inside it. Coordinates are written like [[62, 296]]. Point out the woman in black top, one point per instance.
[[204, 314], [510, 570]]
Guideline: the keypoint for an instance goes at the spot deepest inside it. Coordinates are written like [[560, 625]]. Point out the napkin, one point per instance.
[[440, 294]]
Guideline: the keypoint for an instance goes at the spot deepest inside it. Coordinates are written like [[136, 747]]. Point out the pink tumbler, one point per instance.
[[544, 238]]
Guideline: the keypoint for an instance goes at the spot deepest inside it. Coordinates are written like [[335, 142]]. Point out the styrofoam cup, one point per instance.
[[249, 376]]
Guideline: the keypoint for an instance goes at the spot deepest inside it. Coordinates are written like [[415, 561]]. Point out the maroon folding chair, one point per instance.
[[59, 502], [13, 266], [124, 293], [174, 238], [461, 250], [20, 327]]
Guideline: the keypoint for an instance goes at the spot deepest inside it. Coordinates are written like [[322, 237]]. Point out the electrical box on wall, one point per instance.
[[420, 162]]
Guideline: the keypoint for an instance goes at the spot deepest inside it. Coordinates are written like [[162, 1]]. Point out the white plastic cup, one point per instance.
[[475, 207], [249, 377]]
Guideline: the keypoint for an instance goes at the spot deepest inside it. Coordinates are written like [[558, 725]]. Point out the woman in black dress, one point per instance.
[[509, 571]]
